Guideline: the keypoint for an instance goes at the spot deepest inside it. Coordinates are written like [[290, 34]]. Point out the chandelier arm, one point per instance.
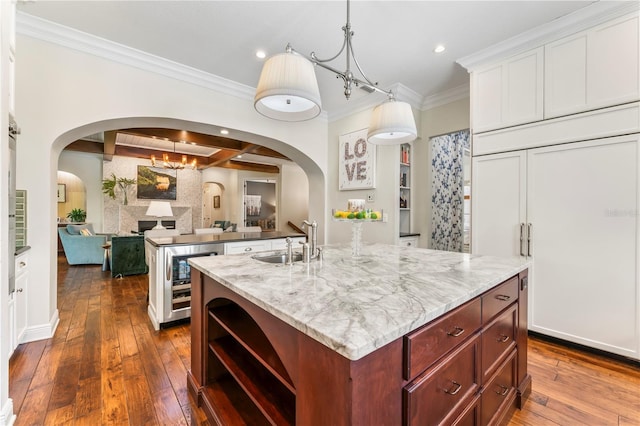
[[318, 60], [327, 67], [375, 88], [355, 61]]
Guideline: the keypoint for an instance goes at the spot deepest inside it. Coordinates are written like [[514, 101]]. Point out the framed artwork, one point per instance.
[[356, 162], [155, 183], [216, 201], [62, 193], [252, 204]]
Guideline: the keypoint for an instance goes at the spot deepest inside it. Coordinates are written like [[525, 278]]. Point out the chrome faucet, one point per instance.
[[289, 259], [315, 251]]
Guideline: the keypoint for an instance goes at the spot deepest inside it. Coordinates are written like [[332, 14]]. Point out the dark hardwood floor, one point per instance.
[[106, 365]]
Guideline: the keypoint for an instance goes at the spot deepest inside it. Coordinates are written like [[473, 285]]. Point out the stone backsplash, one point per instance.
[[187, 208]]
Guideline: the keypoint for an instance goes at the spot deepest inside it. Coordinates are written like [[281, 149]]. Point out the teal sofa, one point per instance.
[[82, 249]]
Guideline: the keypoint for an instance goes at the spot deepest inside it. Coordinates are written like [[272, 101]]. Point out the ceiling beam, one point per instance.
[[109, 145], [86, 146], [204, 140], [254, 167]]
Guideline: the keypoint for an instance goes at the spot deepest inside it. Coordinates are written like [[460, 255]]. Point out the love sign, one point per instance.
[[357, 161]]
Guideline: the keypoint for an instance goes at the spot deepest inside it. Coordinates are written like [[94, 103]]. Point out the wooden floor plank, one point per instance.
[[106, 365], [63, 416], [168, 409], [89, 397]]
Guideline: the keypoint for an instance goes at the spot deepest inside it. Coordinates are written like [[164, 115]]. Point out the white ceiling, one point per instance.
[[393, 40]]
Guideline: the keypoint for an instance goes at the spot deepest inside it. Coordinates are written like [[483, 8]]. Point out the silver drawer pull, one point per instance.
[[455, 389], [248, 249], [503, 390], [503, 297], [503, 338], [22, 264], [457, 331]]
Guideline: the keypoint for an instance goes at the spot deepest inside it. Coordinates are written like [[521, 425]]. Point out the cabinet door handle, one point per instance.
[[503, 390], [248, 249], [503, 297], [169, 267], [522, 228], [20, 290], [503, 338], [454, 389], [529, 232], [22, 264], [457, 331]]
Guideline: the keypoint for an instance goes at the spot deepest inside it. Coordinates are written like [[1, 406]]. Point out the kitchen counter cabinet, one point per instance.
[[169, 281], [257, 358]]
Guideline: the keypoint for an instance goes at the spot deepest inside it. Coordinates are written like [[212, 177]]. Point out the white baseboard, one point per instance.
[[7, 418], [43, 331]]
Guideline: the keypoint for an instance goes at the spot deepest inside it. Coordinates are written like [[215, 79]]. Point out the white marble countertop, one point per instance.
[[355, 306]]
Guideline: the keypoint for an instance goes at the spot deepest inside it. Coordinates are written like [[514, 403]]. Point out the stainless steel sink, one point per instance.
[[277, 257]]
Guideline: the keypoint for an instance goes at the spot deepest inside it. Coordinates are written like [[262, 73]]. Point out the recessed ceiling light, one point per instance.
[[224, 131], [261, 54], [439, 49]]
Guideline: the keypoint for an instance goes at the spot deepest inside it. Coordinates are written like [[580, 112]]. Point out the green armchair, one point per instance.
[[82, 249]]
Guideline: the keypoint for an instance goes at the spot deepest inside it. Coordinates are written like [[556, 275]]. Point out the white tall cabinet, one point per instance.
[[572, 209], [563, 189]]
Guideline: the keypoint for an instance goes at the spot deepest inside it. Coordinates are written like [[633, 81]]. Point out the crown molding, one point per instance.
[[580, 20], [50, 32], [446, 97]]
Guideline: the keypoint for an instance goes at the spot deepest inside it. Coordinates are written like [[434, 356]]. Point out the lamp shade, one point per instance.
[[159, 209], [392, 123], [288, 89]]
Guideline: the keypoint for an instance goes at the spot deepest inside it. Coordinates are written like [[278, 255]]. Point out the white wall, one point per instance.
[[88, 167], [294, 206], [228, 180], [64, 94], [434, 122], [386, 193]]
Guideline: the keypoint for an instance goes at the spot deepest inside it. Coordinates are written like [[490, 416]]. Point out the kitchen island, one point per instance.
[[397, 336]]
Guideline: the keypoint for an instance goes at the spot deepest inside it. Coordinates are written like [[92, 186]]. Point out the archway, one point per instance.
[[214, 205], [72, 194]]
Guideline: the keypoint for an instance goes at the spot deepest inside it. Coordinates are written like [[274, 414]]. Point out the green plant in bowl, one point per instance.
[[77, 215]]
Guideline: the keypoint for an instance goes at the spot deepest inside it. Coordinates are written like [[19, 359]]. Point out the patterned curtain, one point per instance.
[[447, 199]]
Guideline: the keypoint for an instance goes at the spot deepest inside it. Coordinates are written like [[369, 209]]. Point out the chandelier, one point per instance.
[[288, 91], [167, 163]]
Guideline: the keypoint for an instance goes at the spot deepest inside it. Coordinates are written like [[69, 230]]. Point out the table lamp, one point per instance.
[[159, 209]]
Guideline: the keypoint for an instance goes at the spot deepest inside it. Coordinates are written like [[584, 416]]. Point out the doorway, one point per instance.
[[214, 205], [260, 204], [450, 189]]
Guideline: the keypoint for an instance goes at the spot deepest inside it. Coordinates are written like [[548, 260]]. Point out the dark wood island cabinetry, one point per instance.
[[466, 366]]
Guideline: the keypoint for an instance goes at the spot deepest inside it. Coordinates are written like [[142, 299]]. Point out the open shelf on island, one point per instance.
[[240, 351]]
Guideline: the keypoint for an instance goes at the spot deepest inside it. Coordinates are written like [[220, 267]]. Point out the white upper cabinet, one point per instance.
[[593, 69], [508, 93]]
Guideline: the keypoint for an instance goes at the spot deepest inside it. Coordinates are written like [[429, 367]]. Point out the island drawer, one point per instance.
[[498, 339], [499, 392], [442, 393], [427, 344], [499, 298], [247, 246]]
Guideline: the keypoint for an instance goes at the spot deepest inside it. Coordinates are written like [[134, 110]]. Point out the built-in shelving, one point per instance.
[[239, 349], [405, 188]]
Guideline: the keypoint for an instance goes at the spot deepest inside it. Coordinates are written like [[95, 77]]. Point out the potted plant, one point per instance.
[[109, 186], [77, 215]]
